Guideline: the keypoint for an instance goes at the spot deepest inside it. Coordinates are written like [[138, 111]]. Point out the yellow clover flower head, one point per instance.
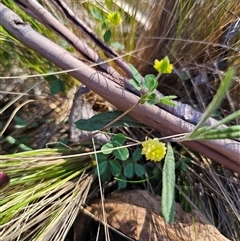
[[163, 66], [114, 18], [153, 149]]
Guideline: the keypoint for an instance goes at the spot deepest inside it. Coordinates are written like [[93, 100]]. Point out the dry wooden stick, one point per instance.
[[33, 8], [225, 152]]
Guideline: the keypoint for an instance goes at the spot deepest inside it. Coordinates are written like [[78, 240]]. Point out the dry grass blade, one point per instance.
[[44, 197], [213, 193], [198, 42], [60, 226]]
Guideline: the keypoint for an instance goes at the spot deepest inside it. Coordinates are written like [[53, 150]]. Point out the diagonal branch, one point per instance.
[[181, 110], [225, 152], [38, 12]]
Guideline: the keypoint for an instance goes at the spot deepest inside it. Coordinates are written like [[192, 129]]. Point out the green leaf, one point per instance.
[[136, 74], [122, 181], [117, 45], [21, 123], [51, 78], [106, 176], [152, 99], [181, 164], [152, 102], [11, 140], [105, 25], [135, 84], [166, 100], [144, 98], [96, 14], [34, 124], [118, 140], [122, 184], [116, 167], [56, 85], [107, 148], [168, 199], [184, 76], [107, 36], [152, 96], [149, 98], [102, 167], [129, 170], [98, 121], [122, 154], [101, 157], [150, 82], [24, 147], [156, 172], [184, 167], [137, 154], [138, 169]]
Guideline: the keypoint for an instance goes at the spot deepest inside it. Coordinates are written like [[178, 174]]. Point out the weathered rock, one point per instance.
[[137, 214]]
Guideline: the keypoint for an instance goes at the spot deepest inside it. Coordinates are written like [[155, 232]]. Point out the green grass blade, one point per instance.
[[230, 132], [227, 119], [223, 88]]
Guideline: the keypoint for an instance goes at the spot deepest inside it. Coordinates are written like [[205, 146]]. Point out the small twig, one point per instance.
[[13, 114], [18, 97], [86, 212]]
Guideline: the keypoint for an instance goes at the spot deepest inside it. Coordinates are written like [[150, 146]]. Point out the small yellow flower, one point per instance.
[[153, 149], [114, 18], [163, 66]]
